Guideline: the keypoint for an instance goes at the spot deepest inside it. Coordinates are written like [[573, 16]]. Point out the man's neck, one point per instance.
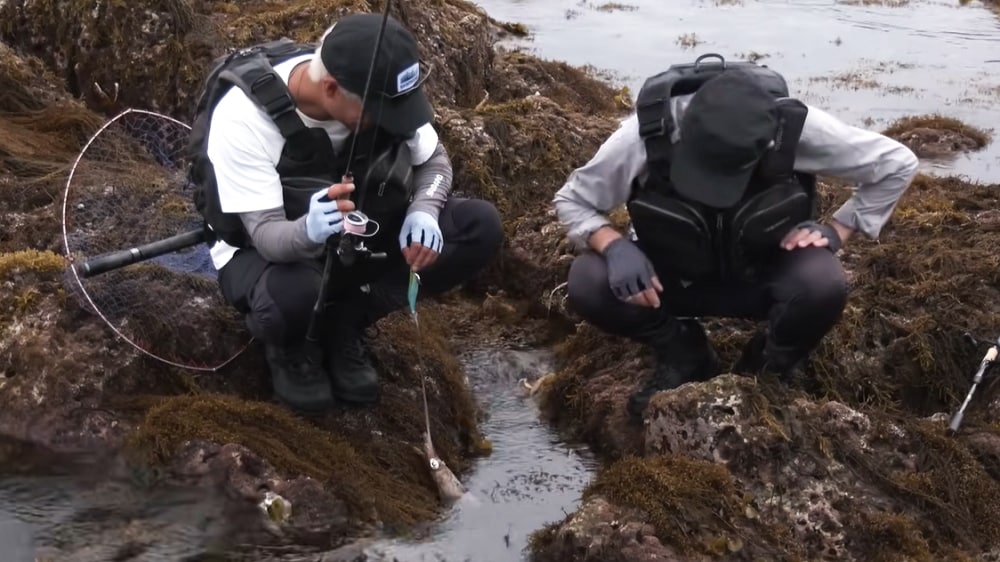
[[305, 93]]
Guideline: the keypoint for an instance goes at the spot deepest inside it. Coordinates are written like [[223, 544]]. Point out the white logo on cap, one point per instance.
[[408, 78]]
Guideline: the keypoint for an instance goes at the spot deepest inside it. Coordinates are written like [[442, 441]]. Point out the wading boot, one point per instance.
[[352, 374], [298, 378], [683, 354], [759, 358]]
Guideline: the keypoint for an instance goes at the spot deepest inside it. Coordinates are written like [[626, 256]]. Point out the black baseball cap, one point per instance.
[[395, 98], [729, 124]]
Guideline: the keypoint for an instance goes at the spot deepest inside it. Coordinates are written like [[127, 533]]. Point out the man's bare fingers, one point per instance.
[[345, 205], [651, 298], [338, 190], [423, 254], [792, 238], [429, 257], [657, 285], [640, 299]]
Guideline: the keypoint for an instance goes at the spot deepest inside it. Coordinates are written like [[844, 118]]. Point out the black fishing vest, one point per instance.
[[691, 241], [382, 167]]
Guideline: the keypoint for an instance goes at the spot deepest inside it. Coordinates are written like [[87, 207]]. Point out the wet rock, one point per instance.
[[154, 54], [600, 531], [869, 423], [70, 383]]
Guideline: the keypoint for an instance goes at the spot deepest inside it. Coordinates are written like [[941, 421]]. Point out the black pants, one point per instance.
[[278, 298], [802, 297]]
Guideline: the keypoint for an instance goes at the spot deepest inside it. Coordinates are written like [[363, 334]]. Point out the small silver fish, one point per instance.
[[450, 488]]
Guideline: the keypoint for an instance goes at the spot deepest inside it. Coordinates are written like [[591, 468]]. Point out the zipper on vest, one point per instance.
[[720, 245]]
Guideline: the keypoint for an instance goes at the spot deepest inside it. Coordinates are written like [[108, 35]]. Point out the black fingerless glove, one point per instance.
[[629, 271], [828, 232]]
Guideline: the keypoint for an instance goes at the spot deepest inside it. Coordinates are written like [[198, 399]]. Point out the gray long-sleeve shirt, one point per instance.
[[880, 167], [280, 240]]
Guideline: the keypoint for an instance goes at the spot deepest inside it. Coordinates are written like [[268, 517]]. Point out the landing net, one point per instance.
[[128, 188]]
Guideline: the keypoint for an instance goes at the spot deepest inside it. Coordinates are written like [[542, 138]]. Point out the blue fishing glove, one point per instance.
[[324, 218], [422, 228]]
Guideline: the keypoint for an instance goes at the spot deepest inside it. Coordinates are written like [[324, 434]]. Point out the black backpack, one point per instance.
[[656, 124], [250, 69]]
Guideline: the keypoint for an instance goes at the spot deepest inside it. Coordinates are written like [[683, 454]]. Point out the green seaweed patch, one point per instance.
[[303, 20], [992, 4], [292, 445], [935, 135], [962, 498], [536, 145], [516, 29], [520, 75], [365, 455], [43, 263], [405, 354], [37, 147], [696, 506], [885, 536], [900, 344], [946, 502], [568, 398], [677, 493]]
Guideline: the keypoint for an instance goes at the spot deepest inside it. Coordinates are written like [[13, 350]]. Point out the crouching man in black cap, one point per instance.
[[269, 156], [717, 168]]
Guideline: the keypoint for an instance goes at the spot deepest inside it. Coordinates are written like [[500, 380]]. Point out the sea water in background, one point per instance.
[[867, 63]]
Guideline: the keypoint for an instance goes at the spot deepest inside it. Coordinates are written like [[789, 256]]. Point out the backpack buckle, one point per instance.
[[652, 127], [277, 105]]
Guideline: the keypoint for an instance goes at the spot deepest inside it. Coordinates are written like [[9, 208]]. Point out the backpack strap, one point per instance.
[[656, 122], [258, 80], [778, 164]]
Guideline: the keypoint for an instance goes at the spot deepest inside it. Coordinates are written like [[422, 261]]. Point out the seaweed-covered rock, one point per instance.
[[154, 54], [871, 424], [744, 470], [68, 381], [931, 136]]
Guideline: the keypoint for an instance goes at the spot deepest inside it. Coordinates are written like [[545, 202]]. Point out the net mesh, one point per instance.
[[127, 188]]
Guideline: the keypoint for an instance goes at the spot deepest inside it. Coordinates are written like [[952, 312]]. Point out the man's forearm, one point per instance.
[[433, 181], [278, 239], [843, 231], [602, 237]]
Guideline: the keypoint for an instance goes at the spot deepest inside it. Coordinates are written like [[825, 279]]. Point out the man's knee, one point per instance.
[[282, 302], [587, 284], [817, 280], [485, 224]]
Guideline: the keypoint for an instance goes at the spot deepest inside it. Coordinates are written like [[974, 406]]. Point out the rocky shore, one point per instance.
[[857, 466]]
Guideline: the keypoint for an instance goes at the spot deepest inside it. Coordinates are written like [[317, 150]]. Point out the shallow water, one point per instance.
[[868, 64], [530, 479], [83, 509]]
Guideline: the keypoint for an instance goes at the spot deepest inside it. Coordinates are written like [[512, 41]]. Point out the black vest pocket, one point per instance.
[[298, 191], [674, 234], [759, 224]]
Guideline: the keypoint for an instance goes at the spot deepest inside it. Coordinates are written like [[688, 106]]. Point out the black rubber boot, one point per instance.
[[759, 358], [298, 378], [683, 354], [352, 374]]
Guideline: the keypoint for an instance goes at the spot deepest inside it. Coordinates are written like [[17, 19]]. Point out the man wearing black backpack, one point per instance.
[[717, 168], [268, 158]]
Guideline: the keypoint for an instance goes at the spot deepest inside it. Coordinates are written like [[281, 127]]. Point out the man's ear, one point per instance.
[[330, 86]]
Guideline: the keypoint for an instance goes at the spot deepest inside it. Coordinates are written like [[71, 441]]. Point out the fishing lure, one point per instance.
[[411, 294]]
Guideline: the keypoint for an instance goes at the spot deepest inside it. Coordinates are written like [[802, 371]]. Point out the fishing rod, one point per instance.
[[351, 244], [989, 358], [120, 258]]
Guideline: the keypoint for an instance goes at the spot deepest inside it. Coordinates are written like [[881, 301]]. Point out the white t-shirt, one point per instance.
[[245, 146]]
